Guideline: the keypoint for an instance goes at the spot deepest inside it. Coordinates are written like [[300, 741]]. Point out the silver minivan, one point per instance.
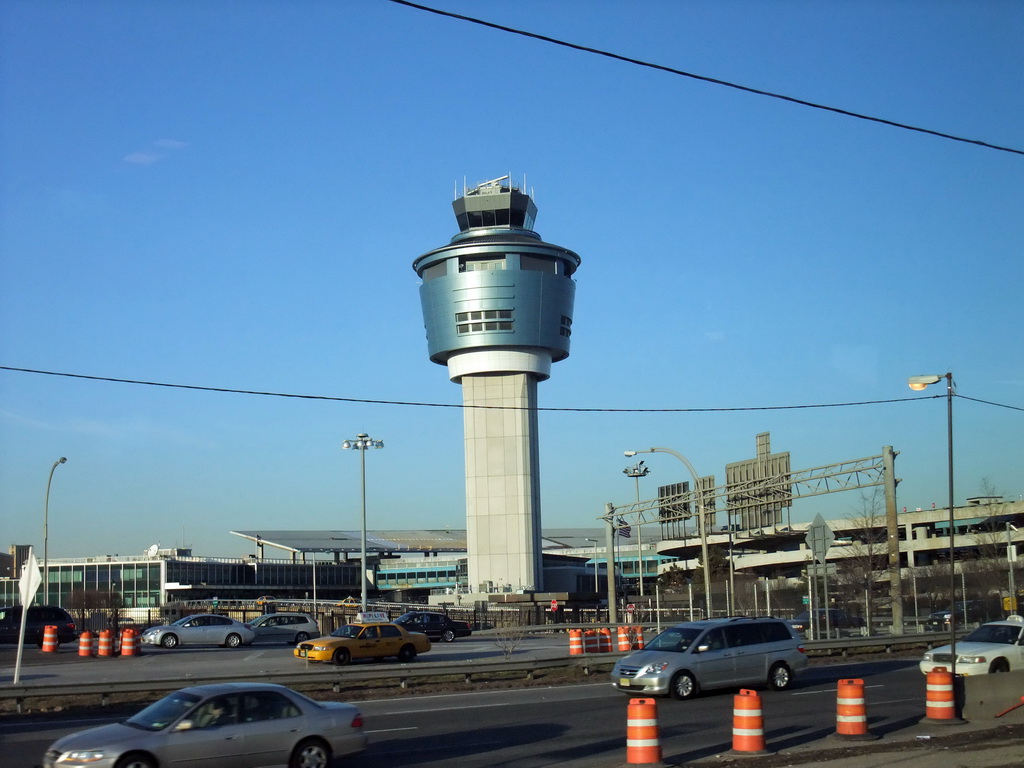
[[714, 653]]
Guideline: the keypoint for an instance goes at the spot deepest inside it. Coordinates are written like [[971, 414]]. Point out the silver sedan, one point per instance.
[[226, 725], [285, 628], [200, 629]]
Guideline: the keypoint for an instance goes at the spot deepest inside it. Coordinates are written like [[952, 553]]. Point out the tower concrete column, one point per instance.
[[503, 527]]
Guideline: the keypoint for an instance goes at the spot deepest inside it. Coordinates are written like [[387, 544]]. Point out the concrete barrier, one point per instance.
[[985, 696]]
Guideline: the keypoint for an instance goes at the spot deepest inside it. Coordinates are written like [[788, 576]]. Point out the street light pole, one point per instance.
[[1010, 552], [636, 472], [919, 383], [361, 444], [701, 522], [595, 563], [46, 534]]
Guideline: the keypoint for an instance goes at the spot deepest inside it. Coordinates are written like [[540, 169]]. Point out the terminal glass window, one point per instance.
[[483, 320]]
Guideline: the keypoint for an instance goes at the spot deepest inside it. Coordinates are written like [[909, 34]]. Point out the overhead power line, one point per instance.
[[226, 390], [706, 79]]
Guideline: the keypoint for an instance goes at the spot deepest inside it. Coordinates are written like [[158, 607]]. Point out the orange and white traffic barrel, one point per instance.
[[851, 711], [85, 644], [624, 641], [940, 698], [638, 639], [128, 642], [575, 642], [49, 639], [591, 643], [106, 647], [748, 724], [604, 640], [643, 742]]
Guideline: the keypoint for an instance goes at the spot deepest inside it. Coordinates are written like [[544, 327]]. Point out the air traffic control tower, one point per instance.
[[497, 305]]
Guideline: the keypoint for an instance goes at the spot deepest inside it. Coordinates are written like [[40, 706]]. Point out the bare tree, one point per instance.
[[866, 557]]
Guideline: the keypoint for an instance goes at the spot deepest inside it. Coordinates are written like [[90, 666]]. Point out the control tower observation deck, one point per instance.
[[497, 305]]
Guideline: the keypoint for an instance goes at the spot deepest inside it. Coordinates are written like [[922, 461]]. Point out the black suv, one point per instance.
[[39, 617], [436, 626]]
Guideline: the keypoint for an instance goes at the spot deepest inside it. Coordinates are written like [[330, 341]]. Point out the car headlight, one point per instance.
[[927, 656], [320, 648], [653, 669], [80, 757], [971, 660]]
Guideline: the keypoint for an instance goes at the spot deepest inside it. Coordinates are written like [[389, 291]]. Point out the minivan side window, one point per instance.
[[714, 640], [739, 635]]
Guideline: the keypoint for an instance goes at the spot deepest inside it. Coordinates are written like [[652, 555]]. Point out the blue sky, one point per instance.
[[231, 194]]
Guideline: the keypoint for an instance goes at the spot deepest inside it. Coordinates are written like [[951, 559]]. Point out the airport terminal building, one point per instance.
[[429, 565]]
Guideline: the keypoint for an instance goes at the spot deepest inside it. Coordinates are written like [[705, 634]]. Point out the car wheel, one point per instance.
[[311, 753], [448, 636], [999, 665], [233, 640], [683, 686], [135, 760], [169, 640], [407, 653], [780, 677], [301, 637], [341, 657]]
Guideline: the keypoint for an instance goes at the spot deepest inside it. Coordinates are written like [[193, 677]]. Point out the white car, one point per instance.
[[200, 629], [994, 647]]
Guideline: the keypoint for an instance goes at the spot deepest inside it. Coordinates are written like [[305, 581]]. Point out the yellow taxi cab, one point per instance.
[[369, 637]]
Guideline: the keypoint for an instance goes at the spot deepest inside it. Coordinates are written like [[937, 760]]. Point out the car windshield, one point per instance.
[[994, 633], [181, 622], [404, 618], [347, 630], [260, 621], [676, 639], [160, 714]]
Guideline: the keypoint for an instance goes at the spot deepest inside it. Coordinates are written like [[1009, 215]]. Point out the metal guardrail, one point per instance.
[[340, 676]]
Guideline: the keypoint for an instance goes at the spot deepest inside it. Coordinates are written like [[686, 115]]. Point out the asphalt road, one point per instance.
[[572, 726]]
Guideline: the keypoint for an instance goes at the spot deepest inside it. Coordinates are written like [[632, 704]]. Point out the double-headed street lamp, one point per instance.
[[361, 443], [637, 471], [701, 522], [919, 383], [46, 533]]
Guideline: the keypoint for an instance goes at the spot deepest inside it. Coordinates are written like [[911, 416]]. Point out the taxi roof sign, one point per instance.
[[367, 617]]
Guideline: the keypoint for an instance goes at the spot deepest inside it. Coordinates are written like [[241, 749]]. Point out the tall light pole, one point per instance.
[[636, 472], [1010, 558], [701, 522], [919, 383], [361, 444], [595, 562], [46, 533]]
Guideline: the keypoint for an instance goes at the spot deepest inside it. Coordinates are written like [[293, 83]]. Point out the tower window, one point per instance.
[[483, 320], [538, 265], [566, 329], [480, 265]]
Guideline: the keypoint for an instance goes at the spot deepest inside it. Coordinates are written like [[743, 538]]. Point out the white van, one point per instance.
[[715, 653]]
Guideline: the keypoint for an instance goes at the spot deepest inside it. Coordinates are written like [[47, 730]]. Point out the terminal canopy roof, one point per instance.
[[390, 542], [398, 542]]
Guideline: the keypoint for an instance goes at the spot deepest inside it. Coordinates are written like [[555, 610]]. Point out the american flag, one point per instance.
[[625, 531]]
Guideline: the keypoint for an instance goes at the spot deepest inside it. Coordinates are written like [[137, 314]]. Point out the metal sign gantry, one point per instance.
[[830, 478]]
